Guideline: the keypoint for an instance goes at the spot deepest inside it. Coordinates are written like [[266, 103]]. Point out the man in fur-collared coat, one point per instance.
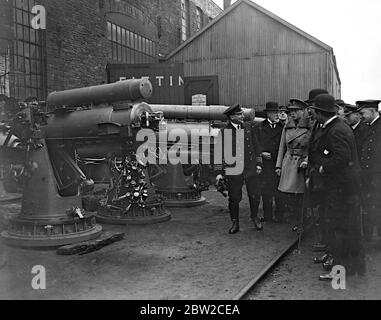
[[337, 160]]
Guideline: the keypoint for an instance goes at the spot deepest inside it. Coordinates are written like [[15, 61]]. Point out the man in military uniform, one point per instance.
[[337, 160], [269, 133], [370, 161], [252, 165]]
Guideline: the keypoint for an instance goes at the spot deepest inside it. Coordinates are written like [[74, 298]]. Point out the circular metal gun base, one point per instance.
[[181, 199], [38, 234], [154, 213]]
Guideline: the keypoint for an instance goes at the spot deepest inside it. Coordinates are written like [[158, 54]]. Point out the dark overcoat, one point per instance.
[[371, 165], [269, 140], [250, 148], [335, 151], [360, 133]]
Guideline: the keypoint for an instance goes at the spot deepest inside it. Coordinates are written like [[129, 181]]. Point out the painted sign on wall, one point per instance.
[[199, 100], [167, 79]]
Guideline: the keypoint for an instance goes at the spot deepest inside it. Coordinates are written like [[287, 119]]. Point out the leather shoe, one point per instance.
[[327, 277], [258, 224], [327, 266], [322, 258], [318, 247], [235, 227]]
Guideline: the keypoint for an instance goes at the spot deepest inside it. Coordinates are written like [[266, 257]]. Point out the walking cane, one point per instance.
[[301, 229]]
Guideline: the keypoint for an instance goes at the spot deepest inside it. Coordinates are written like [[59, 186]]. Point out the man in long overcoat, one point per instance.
[[336, 156], [269, 133], [292, 157], [360, 129], [252, 165], [370, 160]]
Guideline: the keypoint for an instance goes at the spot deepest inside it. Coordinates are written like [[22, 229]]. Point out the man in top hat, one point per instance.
[[269, 133], [336, 157], [370, 161], [252, 164], [353, 118]]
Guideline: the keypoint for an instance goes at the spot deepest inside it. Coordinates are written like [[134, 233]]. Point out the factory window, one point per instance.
[[4, 72], [184, 19], [29, 47], [199, 16], [128, 46]]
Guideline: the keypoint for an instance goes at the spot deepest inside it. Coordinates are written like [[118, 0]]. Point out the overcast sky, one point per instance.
[[351, 27]]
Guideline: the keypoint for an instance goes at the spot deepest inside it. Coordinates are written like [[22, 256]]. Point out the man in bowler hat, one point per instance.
[[370, 160], [252, 164], [336, 157], [269, 133], [314, 180]]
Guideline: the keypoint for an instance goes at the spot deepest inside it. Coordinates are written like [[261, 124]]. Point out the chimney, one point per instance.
[[227, 4]]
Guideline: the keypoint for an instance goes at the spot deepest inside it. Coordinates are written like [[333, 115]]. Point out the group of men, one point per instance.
[[341, 169]]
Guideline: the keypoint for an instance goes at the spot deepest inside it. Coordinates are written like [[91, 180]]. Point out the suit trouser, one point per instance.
[[370, 220], [371, 208], [235, 184], [343, 234], [268, 205]]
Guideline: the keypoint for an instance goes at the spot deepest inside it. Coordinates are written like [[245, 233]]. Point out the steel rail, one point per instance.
[[257, 279]]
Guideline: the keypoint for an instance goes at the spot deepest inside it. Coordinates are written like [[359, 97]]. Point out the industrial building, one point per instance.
[[249, 55], [79, 39], [187, 48]]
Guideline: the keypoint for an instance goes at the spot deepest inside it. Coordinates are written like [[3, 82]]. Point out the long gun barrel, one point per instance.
[[127, 90], [207, 113]]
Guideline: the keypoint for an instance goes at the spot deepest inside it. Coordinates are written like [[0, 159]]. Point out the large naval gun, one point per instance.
[[182, 185], [93, 122]]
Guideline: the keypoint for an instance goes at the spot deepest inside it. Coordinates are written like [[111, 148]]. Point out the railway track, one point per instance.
[[245, 291]]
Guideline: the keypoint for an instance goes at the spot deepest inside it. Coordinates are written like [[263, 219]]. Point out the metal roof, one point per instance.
[[257, 7]]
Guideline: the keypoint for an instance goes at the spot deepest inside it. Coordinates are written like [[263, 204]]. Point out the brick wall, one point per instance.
[[77, 49], [5, 24], [209, 8], [76, 46], [169, 12], [6, 32]]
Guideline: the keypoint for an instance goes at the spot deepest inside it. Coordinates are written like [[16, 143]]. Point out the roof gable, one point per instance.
[[257, 7]]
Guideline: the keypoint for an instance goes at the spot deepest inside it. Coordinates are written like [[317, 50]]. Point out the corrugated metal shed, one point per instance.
[[258, 57]]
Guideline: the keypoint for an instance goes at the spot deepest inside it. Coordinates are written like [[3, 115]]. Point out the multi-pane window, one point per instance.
[[198, 19], [4, 72], [128, 46], [184, 19], [29, 46]]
